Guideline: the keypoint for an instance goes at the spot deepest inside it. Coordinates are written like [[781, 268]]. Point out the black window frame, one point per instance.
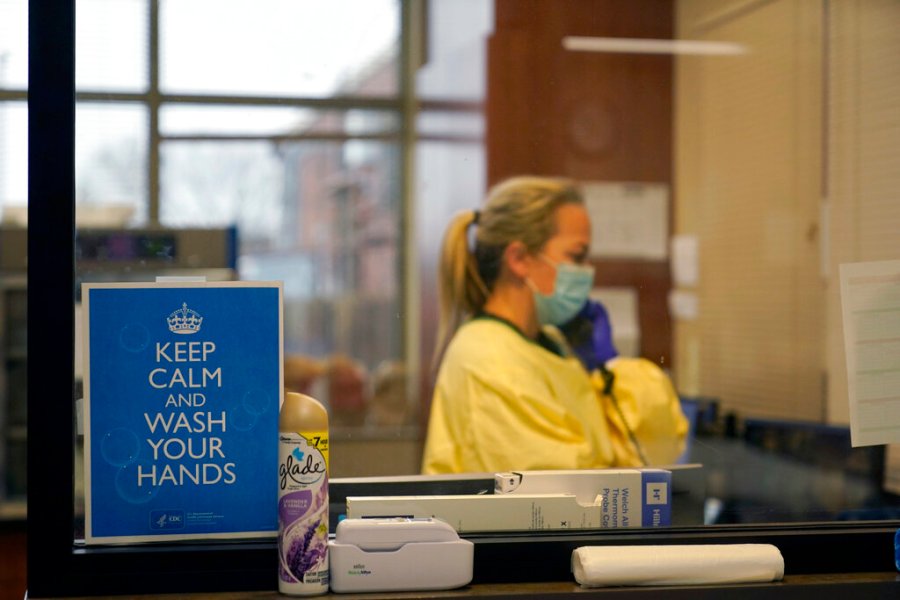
[[56, 567]]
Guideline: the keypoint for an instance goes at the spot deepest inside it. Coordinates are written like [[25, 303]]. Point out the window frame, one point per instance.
[[57, 568]]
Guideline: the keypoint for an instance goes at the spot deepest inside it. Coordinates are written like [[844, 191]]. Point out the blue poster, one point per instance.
[[182, 388]]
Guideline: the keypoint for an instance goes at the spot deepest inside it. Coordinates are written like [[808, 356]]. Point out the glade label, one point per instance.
[[303, 459]]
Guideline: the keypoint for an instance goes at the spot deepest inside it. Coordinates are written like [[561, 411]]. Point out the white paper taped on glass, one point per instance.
[[599, 566], [870, 303]]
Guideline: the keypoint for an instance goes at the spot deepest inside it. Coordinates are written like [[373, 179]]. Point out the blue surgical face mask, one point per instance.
[[571, 289]]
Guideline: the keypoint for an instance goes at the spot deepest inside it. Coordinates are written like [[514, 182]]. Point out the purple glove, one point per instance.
[[590, 335]]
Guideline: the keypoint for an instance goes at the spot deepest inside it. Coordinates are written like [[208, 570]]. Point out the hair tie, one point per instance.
[[476, 216]]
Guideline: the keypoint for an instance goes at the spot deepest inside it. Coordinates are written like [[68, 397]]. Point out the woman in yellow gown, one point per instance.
[[510, 393]]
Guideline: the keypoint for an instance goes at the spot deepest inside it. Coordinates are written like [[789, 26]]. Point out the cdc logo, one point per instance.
[[166, 519]]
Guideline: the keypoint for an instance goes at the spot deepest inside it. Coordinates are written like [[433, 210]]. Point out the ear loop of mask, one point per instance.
[[532, 285]]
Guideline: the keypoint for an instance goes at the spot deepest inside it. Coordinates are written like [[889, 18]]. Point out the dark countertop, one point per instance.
[[817, 587]]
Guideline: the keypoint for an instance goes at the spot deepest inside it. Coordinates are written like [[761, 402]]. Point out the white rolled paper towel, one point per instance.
[[596, 566]]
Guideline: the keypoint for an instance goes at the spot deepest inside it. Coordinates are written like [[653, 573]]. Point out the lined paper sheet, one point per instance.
[[870, 301]]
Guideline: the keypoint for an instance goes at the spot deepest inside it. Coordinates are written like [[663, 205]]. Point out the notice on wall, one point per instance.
[[685, 260], [628, 220], [182, 388], [870, 301]]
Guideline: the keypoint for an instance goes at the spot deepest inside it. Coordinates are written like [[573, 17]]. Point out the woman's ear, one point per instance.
[[517, 259]]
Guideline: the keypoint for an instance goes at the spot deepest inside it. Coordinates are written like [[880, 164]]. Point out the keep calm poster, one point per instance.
[[182, 388]]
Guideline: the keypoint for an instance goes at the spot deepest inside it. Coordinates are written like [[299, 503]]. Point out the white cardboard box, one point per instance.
[[624, 498]]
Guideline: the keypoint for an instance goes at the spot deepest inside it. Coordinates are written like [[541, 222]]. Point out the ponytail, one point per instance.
[[461, 290]]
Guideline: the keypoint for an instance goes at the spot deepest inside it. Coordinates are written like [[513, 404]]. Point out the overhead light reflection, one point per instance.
[[648, 46]]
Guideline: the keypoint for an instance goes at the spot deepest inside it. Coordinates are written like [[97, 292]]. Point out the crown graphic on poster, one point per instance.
[[184, 320]]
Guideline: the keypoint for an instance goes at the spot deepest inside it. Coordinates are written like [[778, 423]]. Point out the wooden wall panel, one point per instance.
[[588, 116], [12, 561]]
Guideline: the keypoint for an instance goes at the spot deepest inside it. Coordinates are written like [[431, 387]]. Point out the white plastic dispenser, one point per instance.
[[398, 554]]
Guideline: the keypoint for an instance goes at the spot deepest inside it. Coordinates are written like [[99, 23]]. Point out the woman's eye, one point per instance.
[[578, 259]]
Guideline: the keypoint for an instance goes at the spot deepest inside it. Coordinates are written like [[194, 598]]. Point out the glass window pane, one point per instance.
[[13, 160], [453, 124], [13, 44], [324, 218], [180, 119], [315, 48], [110, 164], [215, 184], [111, 45], [338, 255], [457, 44]]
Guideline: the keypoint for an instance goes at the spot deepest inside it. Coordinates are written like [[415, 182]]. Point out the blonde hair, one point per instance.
[[517, 209]]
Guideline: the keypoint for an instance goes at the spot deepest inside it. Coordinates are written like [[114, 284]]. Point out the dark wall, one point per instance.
[[12, 560]]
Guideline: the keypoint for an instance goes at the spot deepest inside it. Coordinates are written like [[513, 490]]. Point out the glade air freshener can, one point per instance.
[[302, 496]]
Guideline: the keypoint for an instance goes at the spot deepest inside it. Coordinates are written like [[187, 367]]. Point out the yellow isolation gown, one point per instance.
[[504, 402], [651, 409]]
